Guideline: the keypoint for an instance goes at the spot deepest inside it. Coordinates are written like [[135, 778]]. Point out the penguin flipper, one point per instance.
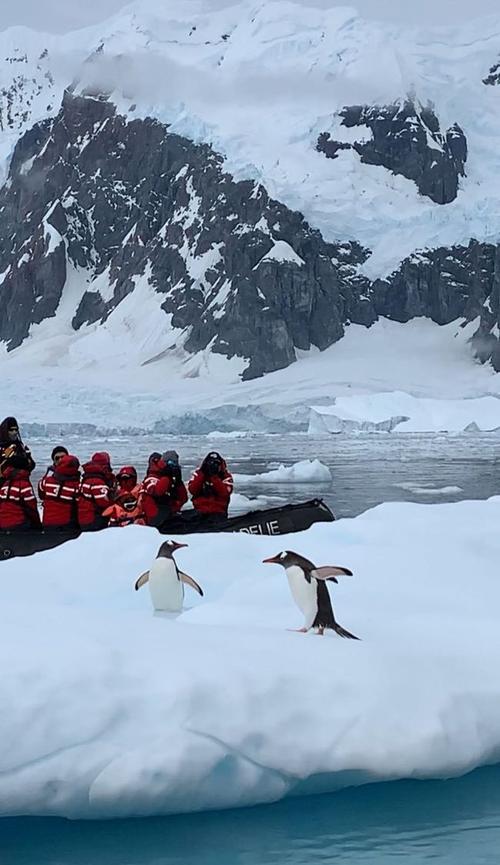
[[330, 572], [142, 580], [185, 578]]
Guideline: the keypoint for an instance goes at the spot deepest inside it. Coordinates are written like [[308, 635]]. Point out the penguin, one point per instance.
[[310, 593], [166, 581]]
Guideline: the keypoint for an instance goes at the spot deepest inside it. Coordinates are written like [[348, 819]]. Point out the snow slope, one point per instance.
[[420, 358], [223, 75], [124, 713]]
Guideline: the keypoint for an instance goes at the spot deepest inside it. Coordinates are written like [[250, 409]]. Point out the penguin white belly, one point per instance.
[[167, 591], [303, 593]]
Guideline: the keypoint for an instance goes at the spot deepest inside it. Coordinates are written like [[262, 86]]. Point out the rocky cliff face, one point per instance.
[[236, 271], [448, 284], [407, 140], [493, 76], [124, 201]]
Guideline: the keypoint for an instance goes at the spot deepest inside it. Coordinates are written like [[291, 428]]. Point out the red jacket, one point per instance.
[[211, 493], [58, 490], [161, 492], [18, 509], [95, 494]]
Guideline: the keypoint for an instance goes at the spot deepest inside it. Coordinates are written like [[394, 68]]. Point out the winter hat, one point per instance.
[[59, 449], [101, 458], [5, 426], [170, 456], [127, 472], [68, 465]]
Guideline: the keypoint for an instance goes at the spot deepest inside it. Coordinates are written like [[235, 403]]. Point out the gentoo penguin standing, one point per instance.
[[166, 581], [310, 593]]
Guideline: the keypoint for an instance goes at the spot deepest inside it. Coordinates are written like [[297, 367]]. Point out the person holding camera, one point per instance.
[[11, 444], [18, 507], [163, 490], [211, 486]]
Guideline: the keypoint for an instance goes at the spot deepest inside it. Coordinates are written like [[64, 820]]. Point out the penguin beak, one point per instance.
[[177, 546], [274, 560]]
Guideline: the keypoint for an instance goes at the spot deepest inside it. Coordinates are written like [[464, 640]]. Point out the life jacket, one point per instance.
[[18, 508], [95, 494], [125, 511], [59, 491]]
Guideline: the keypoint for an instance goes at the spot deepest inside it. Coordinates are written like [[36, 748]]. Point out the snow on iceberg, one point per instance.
[[429, 489], [241, 504], [109, 711], [303, 472], [406, 413]]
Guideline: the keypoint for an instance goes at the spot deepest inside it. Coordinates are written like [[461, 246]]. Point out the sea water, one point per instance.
[[454, 822], [366, 469]]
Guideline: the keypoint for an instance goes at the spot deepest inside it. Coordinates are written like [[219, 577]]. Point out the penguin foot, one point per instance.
[[298, 630], [320, 632]]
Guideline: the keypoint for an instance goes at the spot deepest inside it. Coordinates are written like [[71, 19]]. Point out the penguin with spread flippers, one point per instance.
[[310, 593], [166, 581]]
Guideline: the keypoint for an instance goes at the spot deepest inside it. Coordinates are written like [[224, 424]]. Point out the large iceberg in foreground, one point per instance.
[[108, 710]]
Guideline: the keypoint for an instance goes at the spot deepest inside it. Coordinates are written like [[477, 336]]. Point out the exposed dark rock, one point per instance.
[[493, 76], [407, 140], [462, 282], [127, 202], [235, 269]]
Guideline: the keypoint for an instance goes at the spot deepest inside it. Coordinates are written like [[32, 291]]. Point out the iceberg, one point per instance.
[[397, 410], [110, 711], [303, 472]]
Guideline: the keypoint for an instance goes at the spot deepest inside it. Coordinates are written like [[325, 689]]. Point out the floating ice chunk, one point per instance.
[[429, 490], [303, 472]]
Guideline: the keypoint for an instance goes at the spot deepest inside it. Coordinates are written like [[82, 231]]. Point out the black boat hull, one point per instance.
[[273, 521]]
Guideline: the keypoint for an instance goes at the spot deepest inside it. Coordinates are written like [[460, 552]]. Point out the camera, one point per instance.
[[212, 464]]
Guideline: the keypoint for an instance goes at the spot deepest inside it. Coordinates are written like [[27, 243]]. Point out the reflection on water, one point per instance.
[[366, 469], [439, 822]]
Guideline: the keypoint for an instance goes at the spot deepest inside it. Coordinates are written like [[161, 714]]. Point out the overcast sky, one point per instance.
[[63, 15]]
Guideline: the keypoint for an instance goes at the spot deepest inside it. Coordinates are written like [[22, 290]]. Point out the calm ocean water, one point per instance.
[[436, 822], [366, 469]]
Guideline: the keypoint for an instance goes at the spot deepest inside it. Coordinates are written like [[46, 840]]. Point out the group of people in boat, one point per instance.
[[91, 496]]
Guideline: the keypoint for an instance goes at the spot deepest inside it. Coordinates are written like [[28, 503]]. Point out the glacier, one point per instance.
[[420, 358], [110, 711], [405, 413]]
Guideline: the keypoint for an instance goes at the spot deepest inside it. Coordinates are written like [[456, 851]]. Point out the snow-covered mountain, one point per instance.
[[244, 183]]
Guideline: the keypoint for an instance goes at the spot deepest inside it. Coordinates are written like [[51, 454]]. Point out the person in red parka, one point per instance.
[[59, 492], [96, 492], [126, 481], [163, 490], [211, 486], [18, 508]]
